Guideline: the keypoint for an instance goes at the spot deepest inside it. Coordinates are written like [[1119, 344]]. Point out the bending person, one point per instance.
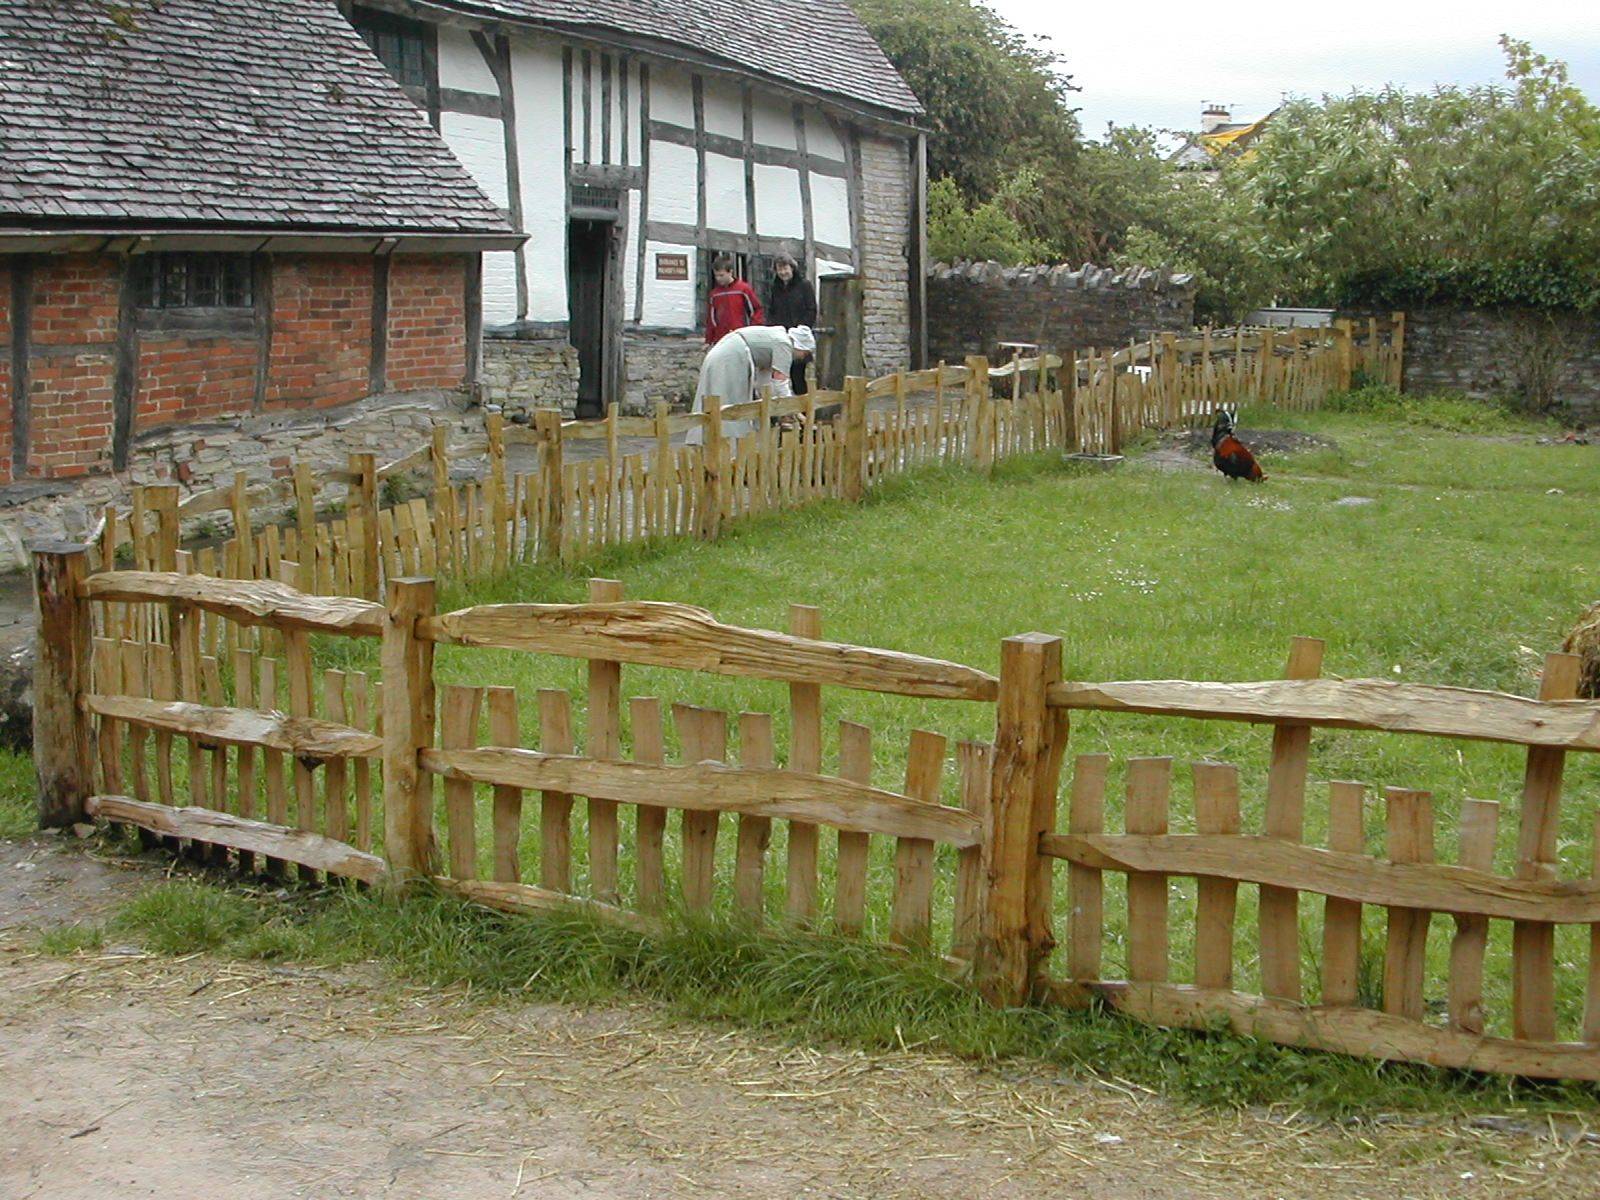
[[745, 362]]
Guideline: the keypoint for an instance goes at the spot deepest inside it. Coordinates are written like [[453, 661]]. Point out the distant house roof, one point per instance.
[[817, 46], [218, 115], [1205, 151]]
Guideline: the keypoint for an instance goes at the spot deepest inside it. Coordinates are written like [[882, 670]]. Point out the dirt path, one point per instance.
[[132, 1075]]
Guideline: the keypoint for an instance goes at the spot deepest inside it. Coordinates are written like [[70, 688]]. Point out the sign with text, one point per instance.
[[672, 266]]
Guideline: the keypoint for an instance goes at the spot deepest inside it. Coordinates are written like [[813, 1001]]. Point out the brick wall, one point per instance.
[[973, 306], [321, 330], [885, 233], [71, 365], [427, 322], [183, 379], [320, 353]]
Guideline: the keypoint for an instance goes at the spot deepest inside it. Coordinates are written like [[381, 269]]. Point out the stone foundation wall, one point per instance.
[[200, 457], [660, 366], [519, 375], [974, 306], [1505, 353]]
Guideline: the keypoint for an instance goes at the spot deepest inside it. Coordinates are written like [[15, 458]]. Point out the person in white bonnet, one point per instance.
[[743, 364]]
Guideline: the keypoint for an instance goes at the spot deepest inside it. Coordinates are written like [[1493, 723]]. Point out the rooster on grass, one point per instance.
[[1228, 454]]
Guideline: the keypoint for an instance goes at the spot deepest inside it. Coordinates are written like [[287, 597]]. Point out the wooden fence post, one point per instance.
[[855, 437], [711, 481], [240, 504], [499, 511], [305, 509], [161, 500], [1347, 354], [408, 710], [361, 514], [547, 423], [1014, 933], [1397, 353], [1069, 401], [61, 751]]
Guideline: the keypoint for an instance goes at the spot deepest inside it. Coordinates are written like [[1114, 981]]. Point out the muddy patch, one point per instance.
[[1190, 449]]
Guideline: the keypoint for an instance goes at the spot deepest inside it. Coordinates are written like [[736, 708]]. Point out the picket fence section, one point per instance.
[[761, 456], [244, 750]]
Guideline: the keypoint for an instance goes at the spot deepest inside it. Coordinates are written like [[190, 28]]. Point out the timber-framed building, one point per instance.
[[634, 139]]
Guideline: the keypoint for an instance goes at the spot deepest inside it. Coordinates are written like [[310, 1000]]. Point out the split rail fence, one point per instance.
[[245, 750], [755, 457]]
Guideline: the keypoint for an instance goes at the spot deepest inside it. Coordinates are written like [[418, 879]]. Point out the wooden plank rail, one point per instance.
[[655, 633], [247, 602], [1358, 1031], [305, 737], [1371, 704], [1441, 887], [526, 898], [309, 850], [714, 787]]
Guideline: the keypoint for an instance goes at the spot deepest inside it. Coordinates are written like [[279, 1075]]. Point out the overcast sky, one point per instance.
[[1156, 63]]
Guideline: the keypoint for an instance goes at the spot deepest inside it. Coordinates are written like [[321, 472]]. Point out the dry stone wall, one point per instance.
[[972, 306]]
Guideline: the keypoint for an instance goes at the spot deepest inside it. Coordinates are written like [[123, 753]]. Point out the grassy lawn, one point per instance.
[[1477, 549]]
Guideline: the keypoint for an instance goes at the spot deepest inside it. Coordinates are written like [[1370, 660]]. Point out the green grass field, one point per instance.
[[1476, 551]]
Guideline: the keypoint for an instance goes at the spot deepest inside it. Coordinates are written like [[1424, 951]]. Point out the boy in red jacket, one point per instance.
[[733, 302]]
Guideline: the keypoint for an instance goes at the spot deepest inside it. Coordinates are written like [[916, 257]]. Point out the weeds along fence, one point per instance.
[[256, 756], [596, 484]]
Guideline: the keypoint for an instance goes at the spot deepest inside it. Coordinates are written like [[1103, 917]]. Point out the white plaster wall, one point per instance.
[[536, 80], [778, 210], [822, 139], [631, 114], [499, 288], [672, 182], [669, 303], [774, 123], [597, 129], [461, 66], [480, 144], [724, 109], [671, 96], [630, 256], [724, 193], [830, 209]]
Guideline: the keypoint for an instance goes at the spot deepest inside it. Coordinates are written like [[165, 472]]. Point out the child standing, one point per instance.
[[733, 303]]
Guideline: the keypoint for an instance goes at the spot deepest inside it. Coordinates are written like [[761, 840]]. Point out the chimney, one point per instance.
[[1212, 116]]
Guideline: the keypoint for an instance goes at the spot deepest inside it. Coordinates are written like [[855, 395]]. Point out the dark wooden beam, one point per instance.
[[917, 273], [588, 106], [21, 331], [605, 108], [747, 153], [125, 378], [677, 233], [497, 57], [261, 288], [473, 307], [774, 156], [378, 360], [807, 214], [624, 74], [473, 104]]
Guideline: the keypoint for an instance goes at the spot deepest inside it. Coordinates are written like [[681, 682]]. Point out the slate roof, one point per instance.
[[216, 114], [818, 46]]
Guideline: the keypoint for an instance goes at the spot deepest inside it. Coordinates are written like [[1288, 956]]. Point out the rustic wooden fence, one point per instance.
[[345, 540], [242, 747]]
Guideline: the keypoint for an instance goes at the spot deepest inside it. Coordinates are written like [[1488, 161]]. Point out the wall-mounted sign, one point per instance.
[[672, 266]]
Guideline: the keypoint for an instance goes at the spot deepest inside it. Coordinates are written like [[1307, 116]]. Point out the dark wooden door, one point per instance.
[[588, 247], [839, 327]]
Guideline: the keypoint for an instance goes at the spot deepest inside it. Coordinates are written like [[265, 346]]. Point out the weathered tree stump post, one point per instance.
[[855, 437], [61, 752], [1014, 928], [361, 514], [408, 715], [547, 424]]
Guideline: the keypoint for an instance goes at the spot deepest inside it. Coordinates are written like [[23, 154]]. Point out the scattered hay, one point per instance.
[[1584, 641]]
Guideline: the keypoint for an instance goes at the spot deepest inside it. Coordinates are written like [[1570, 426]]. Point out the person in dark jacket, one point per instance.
[[791, 302], [733, 303]]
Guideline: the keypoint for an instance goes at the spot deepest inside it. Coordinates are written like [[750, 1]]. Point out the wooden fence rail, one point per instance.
[[738, 459]]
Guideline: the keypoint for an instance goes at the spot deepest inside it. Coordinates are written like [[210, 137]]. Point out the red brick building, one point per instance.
[[211, 209]]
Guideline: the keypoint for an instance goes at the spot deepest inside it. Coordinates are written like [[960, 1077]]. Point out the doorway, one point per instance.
[[839, 322], [590, 285]]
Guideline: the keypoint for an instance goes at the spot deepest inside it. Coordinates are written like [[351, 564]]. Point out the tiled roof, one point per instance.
[[818, 46], [216, 114]]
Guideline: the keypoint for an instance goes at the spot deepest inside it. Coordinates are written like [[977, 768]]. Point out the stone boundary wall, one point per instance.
[[972, 306], [200, 457], [1494, 353]]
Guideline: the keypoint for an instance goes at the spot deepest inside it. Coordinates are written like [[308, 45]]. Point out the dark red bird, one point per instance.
[[1228, 454]]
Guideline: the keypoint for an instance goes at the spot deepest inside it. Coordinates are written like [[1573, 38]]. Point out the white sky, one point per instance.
[[1156, 63]]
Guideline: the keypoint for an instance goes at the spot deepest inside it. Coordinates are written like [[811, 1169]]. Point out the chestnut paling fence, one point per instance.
[[242, 749], [629, 479]]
